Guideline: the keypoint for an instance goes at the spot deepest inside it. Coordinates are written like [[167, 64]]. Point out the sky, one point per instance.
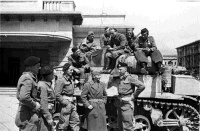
[[172, 23]]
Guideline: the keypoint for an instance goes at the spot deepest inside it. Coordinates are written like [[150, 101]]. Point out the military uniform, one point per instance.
[[87, 47], [104, 43], [80, 62], [141, 56], [94, 94], [117, 42], [126, 88], [27, 118], [47, 102], [64, 94]]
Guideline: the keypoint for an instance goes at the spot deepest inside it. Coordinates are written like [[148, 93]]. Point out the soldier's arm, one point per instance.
[[84, 94], [136, 44], [58, 90], [140, 86], [123, 42], [101, 41], [104, 93], [153, 44], [25, 94], [44, 103]]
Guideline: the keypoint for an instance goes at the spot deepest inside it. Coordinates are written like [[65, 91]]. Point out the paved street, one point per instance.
[[8, 109]]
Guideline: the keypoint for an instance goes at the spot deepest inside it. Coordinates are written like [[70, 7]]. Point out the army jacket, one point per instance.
[[127, 85], [149, 43], [64, 86], [87, 46], [27, 89], [119, 40], [104, 40], [47, 96]]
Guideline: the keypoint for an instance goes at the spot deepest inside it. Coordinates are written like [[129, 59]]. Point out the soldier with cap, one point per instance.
[[88, 46], [47, 96], [146, 46], [126, 89], [64, 89], [27, 118], [94, 98], [116, 48]]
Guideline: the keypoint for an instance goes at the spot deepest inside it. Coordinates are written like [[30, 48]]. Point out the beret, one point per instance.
[[46, 70], [66, 66], [31, 61], [121, 64], [95, 72], [91, 33]]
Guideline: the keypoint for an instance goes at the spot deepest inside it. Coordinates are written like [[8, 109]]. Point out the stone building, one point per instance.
[[35, 27], [189, 56], [172, 58]]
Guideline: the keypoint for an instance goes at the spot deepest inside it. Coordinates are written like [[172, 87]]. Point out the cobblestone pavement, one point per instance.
[[8, 110]]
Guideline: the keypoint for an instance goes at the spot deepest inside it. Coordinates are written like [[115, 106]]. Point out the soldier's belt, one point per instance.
[[69, 98], [96, 100]]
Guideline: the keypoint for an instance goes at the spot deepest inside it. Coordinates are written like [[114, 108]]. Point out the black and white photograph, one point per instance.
[[100, 65]]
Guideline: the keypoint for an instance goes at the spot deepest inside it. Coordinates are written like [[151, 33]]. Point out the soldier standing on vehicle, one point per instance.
[[64, 89], [127, 93], [116, 48], [94, 99], [145, 46], [47, 96], [27, 118]]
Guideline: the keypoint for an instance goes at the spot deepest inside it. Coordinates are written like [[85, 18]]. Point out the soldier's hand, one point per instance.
[[50, 122], [37, 107], [90, 107], [110, 49], [65, 102]]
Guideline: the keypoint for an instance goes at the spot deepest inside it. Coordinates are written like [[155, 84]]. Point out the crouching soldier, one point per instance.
[[126, 87], [47, 96], [81, 63], [27, 118], [64, 89], [94, 98]]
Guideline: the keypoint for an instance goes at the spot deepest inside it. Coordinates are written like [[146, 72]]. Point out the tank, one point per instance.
[[170, 102]]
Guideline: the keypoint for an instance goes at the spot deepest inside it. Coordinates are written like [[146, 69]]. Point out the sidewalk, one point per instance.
[[8, 110]]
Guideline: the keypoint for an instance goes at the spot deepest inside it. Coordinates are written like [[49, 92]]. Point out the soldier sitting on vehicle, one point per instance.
[[88, 46], [81, 63], [130, 40], [145, 46], [117, 46], [104, 43]]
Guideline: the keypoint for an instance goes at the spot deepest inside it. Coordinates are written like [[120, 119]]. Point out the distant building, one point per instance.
[[189, 56], [172, 58], [35, 27]]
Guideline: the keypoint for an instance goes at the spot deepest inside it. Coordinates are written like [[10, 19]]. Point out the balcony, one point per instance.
[[58, 5]]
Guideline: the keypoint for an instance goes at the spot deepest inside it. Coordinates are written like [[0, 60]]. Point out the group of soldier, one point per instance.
[[37, 99]]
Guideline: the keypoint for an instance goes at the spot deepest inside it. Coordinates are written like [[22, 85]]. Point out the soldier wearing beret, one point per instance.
[[88, 46], [94, 98], [47, 96], [126, 89], [27, 118], [146, 46], [64, 89]]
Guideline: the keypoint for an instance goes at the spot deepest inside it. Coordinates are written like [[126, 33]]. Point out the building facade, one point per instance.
[[189, 56], [43, 28], [172, 58]]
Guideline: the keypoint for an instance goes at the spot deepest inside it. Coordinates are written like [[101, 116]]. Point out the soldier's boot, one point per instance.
[[107, 66], [144, 68]]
